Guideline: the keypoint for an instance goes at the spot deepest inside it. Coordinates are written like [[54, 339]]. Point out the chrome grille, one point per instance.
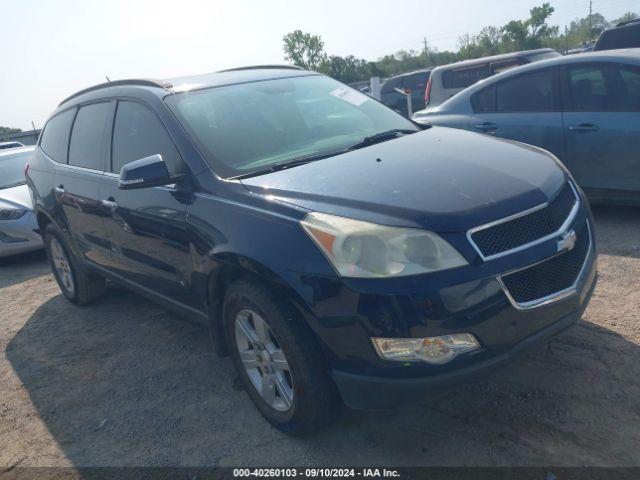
[[551, 278], [527, 228]]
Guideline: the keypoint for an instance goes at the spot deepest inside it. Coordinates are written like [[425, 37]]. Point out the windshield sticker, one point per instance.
[[351, 96]]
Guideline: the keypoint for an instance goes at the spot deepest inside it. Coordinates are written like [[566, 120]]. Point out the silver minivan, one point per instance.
[[447, 80]]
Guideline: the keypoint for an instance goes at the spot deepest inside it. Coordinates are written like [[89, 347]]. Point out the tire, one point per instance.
[[314, 401], [77, 285]]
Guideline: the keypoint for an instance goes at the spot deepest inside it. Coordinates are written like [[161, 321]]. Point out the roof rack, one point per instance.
[[117, 83], [261, 67]]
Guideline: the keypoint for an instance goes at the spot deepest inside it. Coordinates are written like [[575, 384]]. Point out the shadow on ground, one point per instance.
[[23, 267], [125, 382]]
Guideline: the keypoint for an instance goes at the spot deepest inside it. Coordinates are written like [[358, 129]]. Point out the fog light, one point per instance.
[[435, 350]]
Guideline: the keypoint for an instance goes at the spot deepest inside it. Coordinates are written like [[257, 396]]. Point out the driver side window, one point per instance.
[[138, 133]]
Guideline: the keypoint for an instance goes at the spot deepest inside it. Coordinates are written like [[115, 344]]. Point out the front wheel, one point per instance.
[[278, 359]]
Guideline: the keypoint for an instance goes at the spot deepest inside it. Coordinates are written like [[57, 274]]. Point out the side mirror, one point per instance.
[[144, 173]]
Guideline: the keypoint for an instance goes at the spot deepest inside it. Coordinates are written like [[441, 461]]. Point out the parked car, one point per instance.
[[584, 48], [585, 109], [447, 80], [413, 83], [18, 227], [4, 145], [623, 35], [335, 250]]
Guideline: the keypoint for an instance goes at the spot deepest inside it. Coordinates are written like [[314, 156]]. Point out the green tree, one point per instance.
[[9, 130], [537, 22], [347, 69], [307, 50], [625, 18], [584, 30], [304, 49]]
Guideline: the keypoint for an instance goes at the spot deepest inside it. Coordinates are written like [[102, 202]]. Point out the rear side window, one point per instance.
[[623, 37], [138, 133], [484, 101], [465, 77], [604, 88], [55, 137], [416, 81], [536, 57], [87, 147], [390, 85], [631, 87], [505, 65], [532, 92]]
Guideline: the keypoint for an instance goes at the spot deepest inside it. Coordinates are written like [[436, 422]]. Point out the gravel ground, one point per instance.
[[125, 382]]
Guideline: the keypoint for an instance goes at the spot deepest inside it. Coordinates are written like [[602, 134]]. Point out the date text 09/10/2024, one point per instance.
[[316, 472]]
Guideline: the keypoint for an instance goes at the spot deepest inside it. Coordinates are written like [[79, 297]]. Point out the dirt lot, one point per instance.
[[125, 382]]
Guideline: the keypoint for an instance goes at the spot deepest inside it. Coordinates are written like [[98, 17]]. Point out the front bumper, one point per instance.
[[20, 235], [366, 392]]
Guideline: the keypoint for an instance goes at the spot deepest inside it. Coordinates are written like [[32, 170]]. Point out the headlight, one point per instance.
[[11, 213], [362, 249], [434, 350]]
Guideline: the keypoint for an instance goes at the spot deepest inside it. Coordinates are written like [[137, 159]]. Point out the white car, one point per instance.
[[18, 226], [4, 145], [447, 80]]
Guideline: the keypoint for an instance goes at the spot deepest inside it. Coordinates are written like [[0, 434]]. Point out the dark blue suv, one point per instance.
[[337, 252]]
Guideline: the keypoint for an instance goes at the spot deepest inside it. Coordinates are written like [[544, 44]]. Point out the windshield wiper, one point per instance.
[[291, 163], [366, 141], [380, 137]]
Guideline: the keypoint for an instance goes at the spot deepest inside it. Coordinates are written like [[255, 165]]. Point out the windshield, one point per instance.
[[251, 127], [12, 170]]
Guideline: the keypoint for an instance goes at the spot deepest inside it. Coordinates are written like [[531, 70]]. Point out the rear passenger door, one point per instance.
[[525, 108], [602, 128], [77, 182], [147, 227]]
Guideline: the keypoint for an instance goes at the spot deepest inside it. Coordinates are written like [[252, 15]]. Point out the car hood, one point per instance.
[[440, 179], [16, 196]]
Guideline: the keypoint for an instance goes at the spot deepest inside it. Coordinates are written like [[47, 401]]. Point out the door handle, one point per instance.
[[110, 204], [486, 127], [584, 127], [60, 189]]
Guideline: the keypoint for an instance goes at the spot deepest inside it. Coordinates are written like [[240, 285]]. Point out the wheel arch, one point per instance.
[[230, 268], [43, 220]]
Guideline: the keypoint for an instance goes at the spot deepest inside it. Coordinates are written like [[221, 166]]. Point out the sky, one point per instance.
[[51, 49]]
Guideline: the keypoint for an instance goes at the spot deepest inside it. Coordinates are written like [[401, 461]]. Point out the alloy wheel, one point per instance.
[[263, 360], [62, 266]]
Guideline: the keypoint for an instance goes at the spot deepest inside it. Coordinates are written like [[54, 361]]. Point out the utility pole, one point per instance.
[[590, 20], [426, 50], [566, 39]]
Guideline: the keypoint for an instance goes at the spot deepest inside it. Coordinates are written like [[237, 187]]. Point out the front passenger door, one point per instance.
[[147, 227], [525, 108]]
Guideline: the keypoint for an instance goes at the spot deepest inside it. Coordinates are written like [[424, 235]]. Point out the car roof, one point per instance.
[[16, 151], [194, 82], [629, 23], [406, 74], [630, 55], [493, 58]]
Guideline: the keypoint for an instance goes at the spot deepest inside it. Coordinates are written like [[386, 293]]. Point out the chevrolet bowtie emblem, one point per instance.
[[568, 241]]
